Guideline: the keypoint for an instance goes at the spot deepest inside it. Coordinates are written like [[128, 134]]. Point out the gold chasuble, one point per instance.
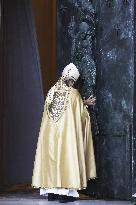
[[65, 154]]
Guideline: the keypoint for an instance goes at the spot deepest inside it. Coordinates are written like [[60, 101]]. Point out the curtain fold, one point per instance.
[[21, 93]]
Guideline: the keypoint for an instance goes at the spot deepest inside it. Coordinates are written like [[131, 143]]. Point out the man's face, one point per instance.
[[71, 82]]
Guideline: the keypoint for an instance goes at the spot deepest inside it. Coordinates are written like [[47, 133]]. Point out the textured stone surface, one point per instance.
[[115, 75], [134, 122], [77, 34], [114, 57]]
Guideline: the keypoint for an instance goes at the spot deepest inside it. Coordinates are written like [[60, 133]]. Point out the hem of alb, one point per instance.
[[41, 187], [59, 191]]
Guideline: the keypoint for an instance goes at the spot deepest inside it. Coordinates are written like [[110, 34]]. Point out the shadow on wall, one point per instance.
[[44, 12]]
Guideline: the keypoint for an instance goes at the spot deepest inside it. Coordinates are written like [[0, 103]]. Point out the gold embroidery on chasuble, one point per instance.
[[59, 103]]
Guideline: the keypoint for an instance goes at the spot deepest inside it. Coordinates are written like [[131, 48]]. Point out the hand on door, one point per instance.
[[89, 101]]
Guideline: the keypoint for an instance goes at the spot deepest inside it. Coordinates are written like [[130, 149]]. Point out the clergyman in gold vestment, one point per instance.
[[64, 159]]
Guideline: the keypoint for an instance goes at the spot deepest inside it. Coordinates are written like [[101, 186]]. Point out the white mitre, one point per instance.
[[71, 72]]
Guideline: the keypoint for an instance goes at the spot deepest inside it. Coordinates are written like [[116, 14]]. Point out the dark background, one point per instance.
[[21, 93], [22, 98], [114, 57]]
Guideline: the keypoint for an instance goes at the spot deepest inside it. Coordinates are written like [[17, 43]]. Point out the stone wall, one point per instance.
[[108, 62]]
